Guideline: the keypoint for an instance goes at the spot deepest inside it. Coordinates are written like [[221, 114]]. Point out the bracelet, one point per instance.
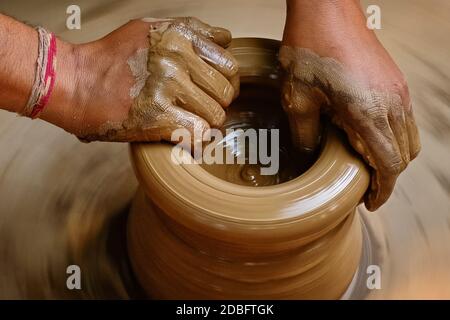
[[45, 76]]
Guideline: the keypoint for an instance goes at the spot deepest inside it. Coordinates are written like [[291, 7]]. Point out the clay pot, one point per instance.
[[193, 235]]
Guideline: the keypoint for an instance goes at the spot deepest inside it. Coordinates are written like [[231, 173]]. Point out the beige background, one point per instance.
[[64, 202]]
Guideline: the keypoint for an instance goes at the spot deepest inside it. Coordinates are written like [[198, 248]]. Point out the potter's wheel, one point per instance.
[[68, 213]]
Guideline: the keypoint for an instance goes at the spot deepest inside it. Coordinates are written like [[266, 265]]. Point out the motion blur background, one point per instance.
[[63, 202]]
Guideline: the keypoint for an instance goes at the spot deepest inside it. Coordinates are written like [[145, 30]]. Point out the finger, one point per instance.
[[413, 133], [397, 123], [381, 189], [157, 126], [303, 111], [382, 182], [195, 100], [220, 36], [353, 137], [165, 125], [216, 56], [177, 118], [381, 152], [156, 21], [236, 84], [208, 78]]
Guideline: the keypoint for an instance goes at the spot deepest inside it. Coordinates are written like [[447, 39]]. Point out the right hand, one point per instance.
[[335, 65], [186, 82]]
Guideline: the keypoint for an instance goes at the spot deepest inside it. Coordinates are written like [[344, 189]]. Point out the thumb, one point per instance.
[[302, 107]]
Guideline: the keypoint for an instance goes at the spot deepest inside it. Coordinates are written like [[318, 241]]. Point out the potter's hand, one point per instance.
[[335, 65], [153, 76]]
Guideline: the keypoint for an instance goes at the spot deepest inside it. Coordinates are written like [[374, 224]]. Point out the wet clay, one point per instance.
[[188, 81], [193, 235], [380, 126], [257, 107], [138, 67]]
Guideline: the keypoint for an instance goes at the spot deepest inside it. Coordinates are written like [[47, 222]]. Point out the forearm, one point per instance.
[[18, 56], [307, 20]]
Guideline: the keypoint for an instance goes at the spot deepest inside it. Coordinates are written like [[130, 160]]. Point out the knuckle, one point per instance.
[[181, 28], [227, 95], [218, 119], [393, 167], [376, 112], [231, 65], [172, 69], [200, 125], [388, 159], [190, 20], [302, 106], [401, 85]]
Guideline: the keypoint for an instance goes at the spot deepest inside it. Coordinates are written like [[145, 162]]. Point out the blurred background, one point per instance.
[[63, 202]]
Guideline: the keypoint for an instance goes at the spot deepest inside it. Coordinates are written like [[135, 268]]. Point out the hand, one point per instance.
[[150, 77], [335, 65]]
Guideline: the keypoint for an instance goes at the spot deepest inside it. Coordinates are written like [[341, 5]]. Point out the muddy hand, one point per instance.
[[155, 76], [343, 71]]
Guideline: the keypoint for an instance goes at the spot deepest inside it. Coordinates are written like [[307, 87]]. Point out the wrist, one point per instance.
[[77, 78], [316, 10], [17, 63], [94, 90], [63, 99], [309, 22]]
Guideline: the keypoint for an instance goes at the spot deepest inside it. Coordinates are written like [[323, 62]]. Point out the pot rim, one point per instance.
[[319, 198]]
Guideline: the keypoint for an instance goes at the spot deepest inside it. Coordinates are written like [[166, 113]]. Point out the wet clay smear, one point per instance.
[[257, 107]]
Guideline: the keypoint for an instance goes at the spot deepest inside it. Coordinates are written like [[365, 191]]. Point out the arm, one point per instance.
[[336, 65], [139, 83], [18, 54]]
